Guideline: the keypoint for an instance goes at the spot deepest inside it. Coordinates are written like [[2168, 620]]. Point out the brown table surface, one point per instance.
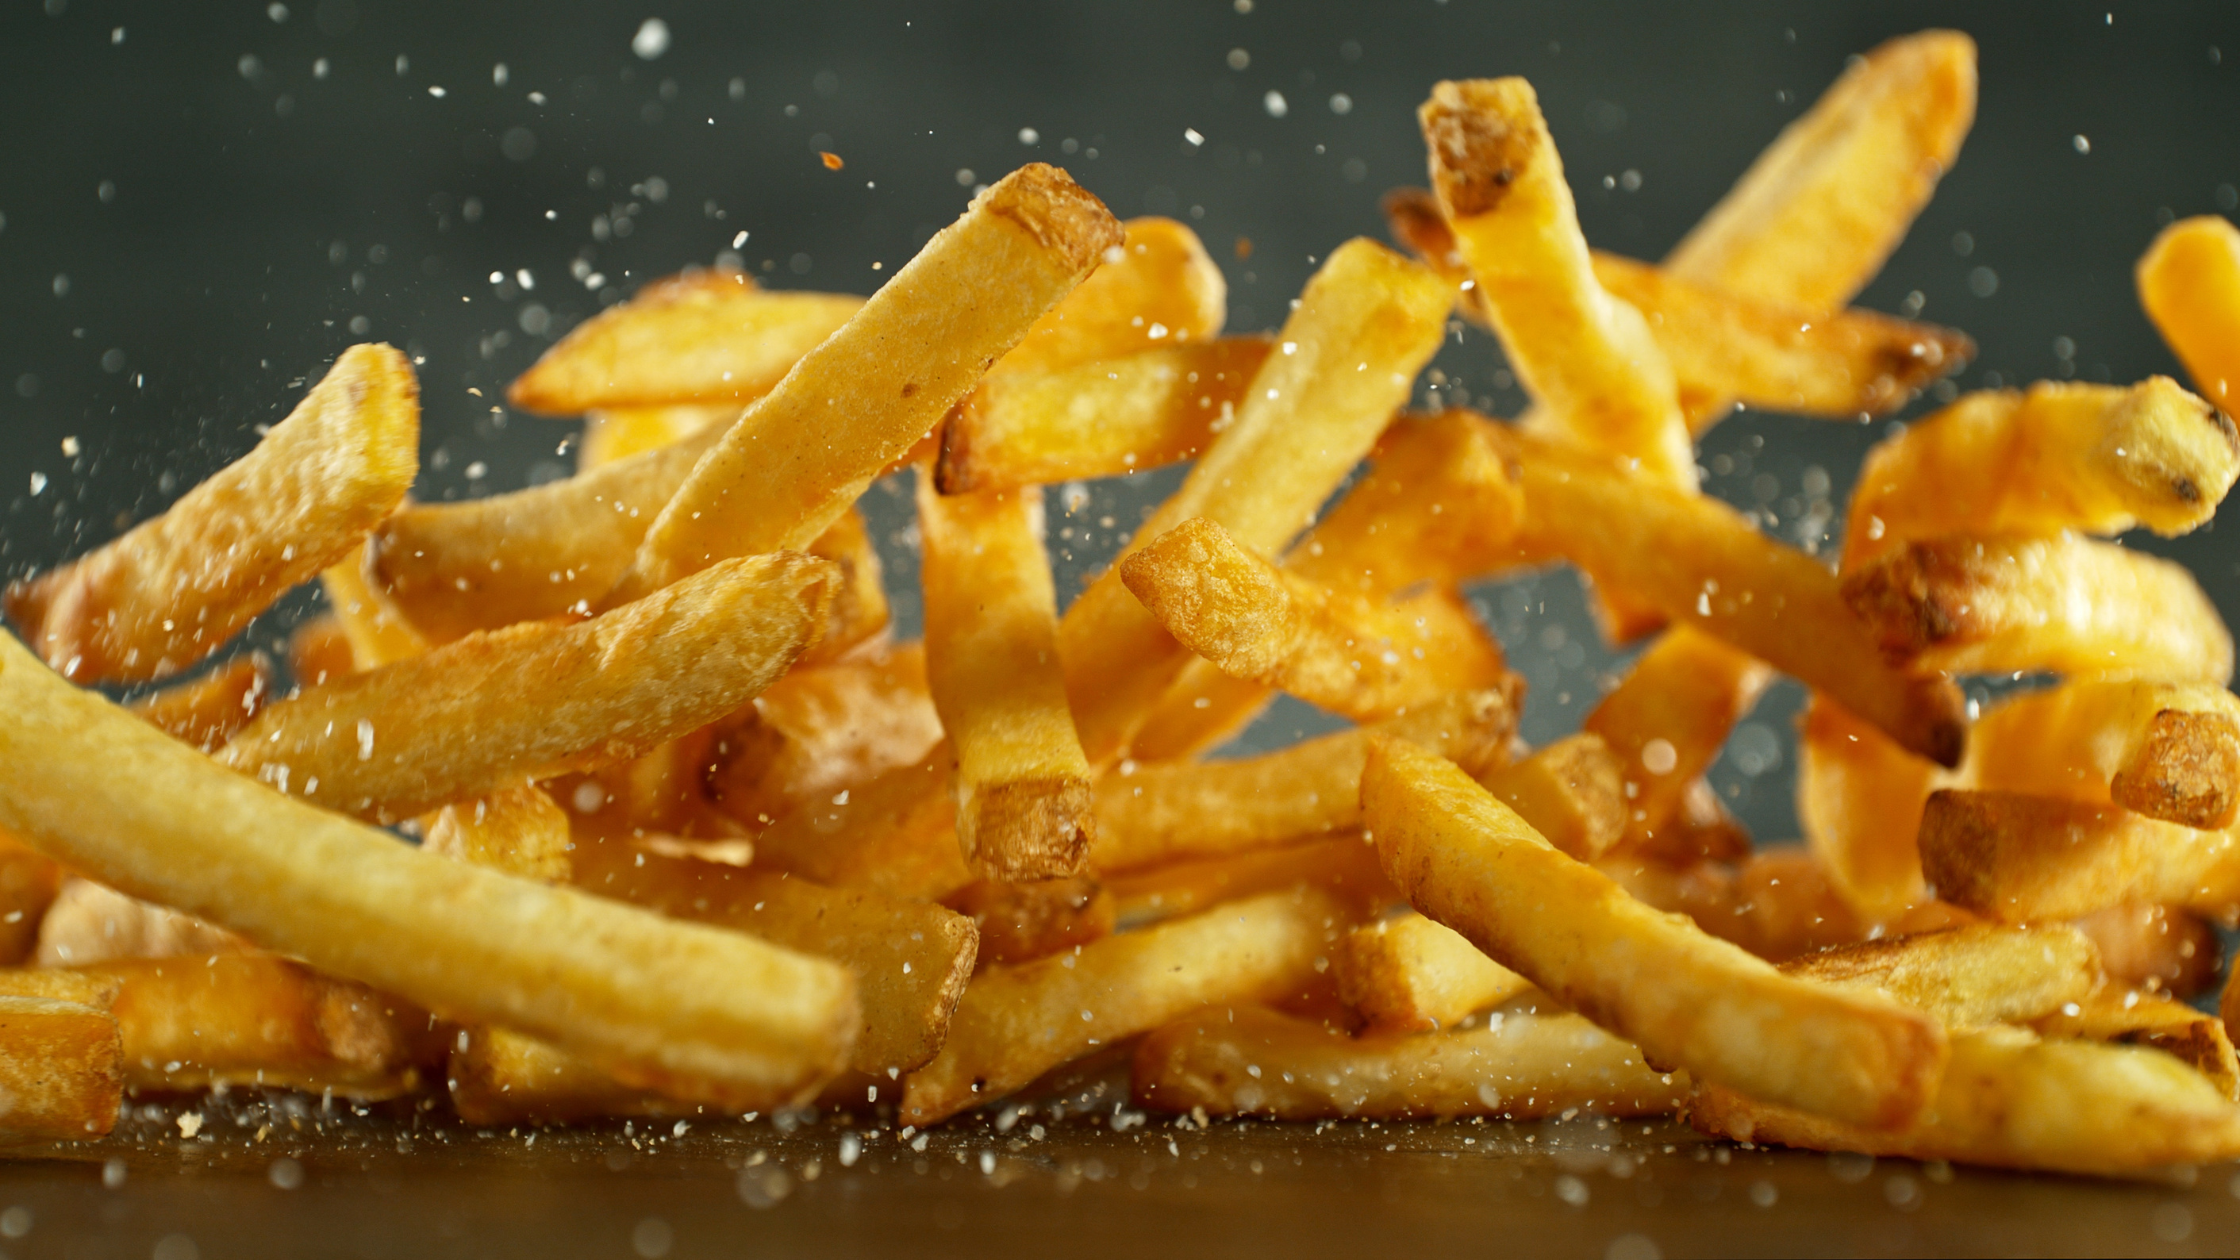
[[278, 1175]]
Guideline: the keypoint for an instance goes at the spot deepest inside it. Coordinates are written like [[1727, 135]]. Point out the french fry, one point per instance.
[[2096, 458], [59, 984], [2063, 604], [1687, 999], [1016, 1023], [60, 1075], [2189, 283], [859, 601], [1024, 809], [1169, 813], [1571, 791], [618, 433], [1702, 830], [1155, 286], [176, 588], [1409, 974], [479, 714], [1726, 347], [2166, 750], [1250, 1061], [1588, 358], [894, 835], [206, 711], [1777, 904], [802, 454], [29, 883], [499, 1077], [2187, 769], [377, 633], [711, 1016], [1668, 719], [319, 649], [517, 830], [2156, 948], [2021, 858], [1968, 977], [1860, 796], [1353, 656], [1815, 216], [1704, 565], [910, 959], [700, 337], [1344, 865], [661, 790], [1365, 325], [1102, 418], [2128, 1017], [823, 729], [1022, 922], [89, 924], [2010, 1100]]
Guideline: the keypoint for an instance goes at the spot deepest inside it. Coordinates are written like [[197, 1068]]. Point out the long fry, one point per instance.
[[2166, 750], [1156, 286], [1968, 977], [1668, 719], [1343, 865], [2189, 281], [174, 589]]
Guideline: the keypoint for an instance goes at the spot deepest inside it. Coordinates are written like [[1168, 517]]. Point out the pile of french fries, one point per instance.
[[695, 834]]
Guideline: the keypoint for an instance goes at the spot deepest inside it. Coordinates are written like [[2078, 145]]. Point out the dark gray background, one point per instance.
[[197, 215]]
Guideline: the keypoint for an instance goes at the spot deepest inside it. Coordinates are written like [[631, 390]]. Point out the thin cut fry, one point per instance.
[[1968, 977], [710, 1015], [2189, 281], [1022, 922], [2160, 949], [2064, 455], [517, 830], [793, 464], [1689, 1000], [991, 620], [1016, 1023], [2022, 858], [1409, 974], [2144, 1019], [1571, 791], [1859, 797], [1155, 286], [90, 924], [1668, 719], [533, 701], [699, 337], [60, 1075], [178, 587], [822, 730], [1168, 813], [2064, 604], [1344, 865], [208, 710], [499, 1077], [1256, 1062]]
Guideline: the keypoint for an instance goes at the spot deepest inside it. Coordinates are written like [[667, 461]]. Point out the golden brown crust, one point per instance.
[[1477, 153], [1045, 824], [1060, 214], [2187, 771]]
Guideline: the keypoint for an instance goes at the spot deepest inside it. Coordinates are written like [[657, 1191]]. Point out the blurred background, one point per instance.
[[200, 205]]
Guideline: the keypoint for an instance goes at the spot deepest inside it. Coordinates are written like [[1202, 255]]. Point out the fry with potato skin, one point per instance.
[[2063, 604], [991, 618], [1409, 974], [176, 588], [1022, 922], [1668, 719], [208, 710], [2189, 283], [823, 729], [780, 476], [710, 1015], [2019, 858], [538, 700], [1687, 999], [61, 1076], [1252, 1061], [2064, 455], [1016, 1023]]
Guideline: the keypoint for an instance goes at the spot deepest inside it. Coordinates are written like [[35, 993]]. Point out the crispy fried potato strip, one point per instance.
[[2126, 1017], [1154, 286], [500, 1077], [2020, 858], [89, 924], [2160, 949], [2166, 750], [895, 834], [1968, 977], [1859, 796], [1572, 791], [2189, 281], [61, 1069], [518, 830], [1025, 921], [206, 711], [29, 883], [1409, 974], [821, 730], [1669, 718], [615, 434]]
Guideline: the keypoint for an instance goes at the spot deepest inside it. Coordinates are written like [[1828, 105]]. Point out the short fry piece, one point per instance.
[[61, 1078], [2145, 1019], [1409, 974], [518, 830], [478, 715], [502, 1077], [1859, 797], [207, 711], [991, 619], [1016, 1023], [1968, 977], [1255, 1062], [89, 924], [176, 588], [1571, 791], [2189, 281], [820, 730], [2159, 949], [1667, 721], [1688, 999], [1022, 922], [2020, 858], [702, 336], [2065, 605]]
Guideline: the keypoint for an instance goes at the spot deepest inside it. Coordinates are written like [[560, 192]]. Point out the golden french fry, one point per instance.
[[1687, 999], [176, 588], [1409, 974], [1103, 418], [1016, 1023], [60, 1070], [801, 455], [1859, 796], [1022, 922], [2010, 1100], [2157, 948], [1355, 656], [1703, 829], [1024, 809], [319, 649], [2128, 1017], [253, 1019], [517, 830], [2064, 455], [1668, 719], [710, 1015], [859, 601], [208, 710], [1571, 791], [2062, 604], [29, 883], [2186, 769], [1776, 905], [1588, 358], [2189, 282], [88, 924], [894, 835], [1366, 323], [1169, 813], [2020, 858], [618, 433], [1702, 564], [824, 729], [378, 634], [1155, 286], [700, 337], [1250, 1061], [499, 1077], [2166, 750], [1968, 977], [1814, 217], [59, 984], [1344, 865], [479, 714]]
